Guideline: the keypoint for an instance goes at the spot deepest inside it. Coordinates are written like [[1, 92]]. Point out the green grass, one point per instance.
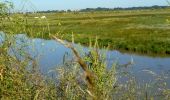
[[143, 31]]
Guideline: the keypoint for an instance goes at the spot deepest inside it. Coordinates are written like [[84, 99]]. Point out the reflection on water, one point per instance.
[[49, 54], [2, 37]]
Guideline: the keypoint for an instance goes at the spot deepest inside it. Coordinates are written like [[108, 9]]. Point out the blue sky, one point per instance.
[[80, 4]]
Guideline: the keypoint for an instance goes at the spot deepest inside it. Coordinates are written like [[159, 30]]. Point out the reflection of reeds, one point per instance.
[[150, 72]]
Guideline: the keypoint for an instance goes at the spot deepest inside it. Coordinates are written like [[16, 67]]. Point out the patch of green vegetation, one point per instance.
[[145, 31]]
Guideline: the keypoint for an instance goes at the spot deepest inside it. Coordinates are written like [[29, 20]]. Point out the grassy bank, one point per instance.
[[144, 31]]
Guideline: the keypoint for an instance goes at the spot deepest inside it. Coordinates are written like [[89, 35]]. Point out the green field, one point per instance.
[[142, 31]]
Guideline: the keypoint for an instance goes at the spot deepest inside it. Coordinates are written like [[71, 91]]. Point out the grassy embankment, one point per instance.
[[142, 31]]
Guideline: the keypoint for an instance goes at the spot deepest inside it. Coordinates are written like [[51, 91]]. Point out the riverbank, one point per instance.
[[142, 31]]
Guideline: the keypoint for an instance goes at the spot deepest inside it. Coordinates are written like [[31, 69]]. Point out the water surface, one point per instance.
[[49, 55]]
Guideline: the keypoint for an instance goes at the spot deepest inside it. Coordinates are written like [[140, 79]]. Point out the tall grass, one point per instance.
[[124, 30], [99, 80]]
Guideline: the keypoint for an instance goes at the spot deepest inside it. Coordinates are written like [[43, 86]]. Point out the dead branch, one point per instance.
[[88, 74]]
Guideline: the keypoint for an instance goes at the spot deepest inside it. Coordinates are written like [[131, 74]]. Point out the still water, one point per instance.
[[49, 55]]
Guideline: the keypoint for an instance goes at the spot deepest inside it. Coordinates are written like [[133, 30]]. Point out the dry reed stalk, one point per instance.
[[88, 74]]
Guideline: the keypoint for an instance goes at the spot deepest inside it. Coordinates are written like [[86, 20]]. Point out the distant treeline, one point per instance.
[[119, 8], [106, 9]]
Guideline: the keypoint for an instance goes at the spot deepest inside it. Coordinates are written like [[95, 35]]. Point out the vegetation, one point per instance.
[[86, 77], [105, 9], [142, 31]]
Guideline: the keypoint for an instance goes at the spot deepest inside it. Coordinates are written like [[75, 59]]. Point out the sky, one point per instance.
[[81, 4]]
